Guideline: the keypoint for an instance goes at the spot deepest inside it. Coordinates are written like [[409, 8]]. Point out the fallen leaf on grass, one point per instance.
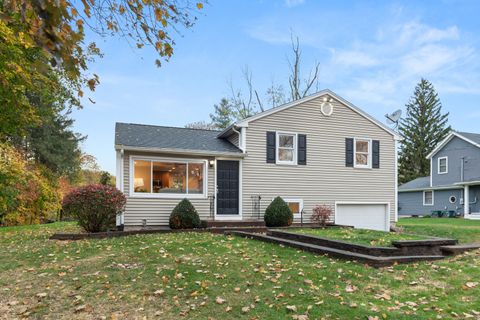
[[292, 308], [471, 285], [159, 292], [350, 288], [220, 300], [245, 309], [41, 295]]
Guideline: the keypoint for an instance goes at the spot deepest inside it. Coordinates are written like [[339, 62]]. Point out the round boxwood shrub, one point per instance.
[[95, 206], [278, 214], [184, 216]]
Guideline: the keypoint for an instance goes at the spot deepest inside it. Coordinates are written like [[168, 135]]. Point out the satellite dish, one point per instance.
[[394, 117]]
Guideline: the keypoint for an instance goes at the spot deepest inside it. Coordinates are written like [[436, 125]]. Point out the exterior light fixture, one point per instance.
[[211, 163]]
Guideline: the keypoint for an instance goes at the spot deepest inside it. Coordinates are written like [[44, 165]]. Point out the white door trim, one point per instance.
[[238, 216]]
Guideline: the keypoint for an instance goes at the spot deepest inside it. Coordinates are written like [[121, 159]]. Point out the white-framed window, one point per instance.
[[168, 178], [362, 150], [428, 197], [286, 148], [442, 165], [296, 205]]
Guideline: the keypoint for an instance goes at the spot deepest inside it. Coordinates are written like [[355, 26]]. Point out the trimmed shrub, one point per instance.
[[94, 206], [321, 214], [184, 216], [203, 224], [278, 214]]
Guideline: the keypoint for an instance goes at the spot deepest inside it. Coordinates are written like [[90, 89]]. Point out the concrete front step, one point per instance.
[[457, 249], [368, 259]]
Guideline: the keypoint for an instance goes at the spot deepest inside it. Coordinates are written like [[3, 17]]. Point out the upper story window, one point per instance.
[[363, 153], [442, 165], [169, 178], [286, 148]]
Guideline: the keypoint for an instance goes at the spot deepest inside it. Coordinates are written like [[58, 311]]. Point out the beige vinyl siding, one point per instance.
[[325, 179], [155, 210], [233, 139]]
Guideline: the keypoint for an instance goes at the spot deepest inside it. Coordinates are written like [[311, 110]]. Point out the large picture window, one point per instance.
[[362, 153], [168, 178], [286, 148]]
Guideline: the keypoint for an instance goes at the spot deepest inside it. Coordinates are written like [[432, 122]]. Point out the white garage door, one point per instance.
[[363, 215]]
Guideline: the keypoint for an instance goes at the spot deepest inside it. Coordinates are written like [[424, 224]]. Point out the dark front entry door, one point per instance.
[[227, 187]]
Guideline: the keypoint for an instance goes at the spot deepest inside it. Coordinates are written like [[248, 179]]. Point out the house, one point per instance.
[[319, 150], [454, 181]]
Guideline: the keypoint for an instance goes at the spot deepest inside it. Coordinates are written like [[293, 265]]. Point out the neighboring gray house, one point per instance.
[[319, 150], [454, 180]]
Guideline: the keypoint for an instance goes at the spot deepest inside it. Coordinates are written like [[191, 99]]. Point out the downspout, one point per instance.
[[240, 144]]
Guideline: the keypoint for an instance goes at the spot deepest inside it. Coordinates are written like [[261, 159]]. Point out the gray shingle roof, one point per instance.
[[475, 137], [159, 137], [419, 183]]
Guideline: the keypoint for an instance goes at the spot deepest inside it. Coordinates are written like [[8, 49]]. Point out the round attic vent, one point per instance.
[[327, 107]]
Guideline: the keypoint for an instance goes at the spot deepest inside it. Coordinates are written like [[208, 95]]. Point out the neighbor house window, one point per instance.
[[428, 198], [442, 165], [363, 153], [168, 178], [296, 205], [286, 148]]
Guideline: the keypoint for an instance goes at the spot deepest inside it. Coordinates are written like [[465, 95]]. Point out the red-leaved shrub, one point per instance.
[[321, 214], [94, 206]]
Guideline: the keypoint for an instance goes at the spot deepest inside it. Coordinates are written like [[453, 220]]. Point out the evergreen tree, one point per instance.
[[422, 129], [223, 114]]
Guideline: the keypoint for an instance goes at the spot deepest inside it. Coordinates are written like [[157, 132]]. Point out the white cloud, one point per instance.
[[385, 69], [293, 3], [354, 58]]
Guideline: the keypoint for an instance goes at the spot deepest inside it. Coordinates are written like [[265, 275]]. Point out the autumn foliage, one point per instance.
[[321, 214], [27, 194], [94, 206]]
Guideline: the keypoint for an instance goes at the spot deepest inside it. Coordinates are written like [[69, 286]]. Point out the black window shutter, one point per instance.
[[271, 146], [375, 154], [349, 152], [302, 149]]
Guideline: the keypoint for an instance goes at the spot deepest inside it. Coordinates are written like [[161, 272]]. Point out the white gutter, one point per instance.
[[181, 151]]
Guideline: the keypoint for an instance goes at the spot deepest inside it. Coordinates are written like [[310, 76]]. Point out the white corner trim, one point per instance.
[[333, 95], [396, 181], [119, 170], [295, 148], [369, 165], [243, 136], [446, 165], [431, 172], [433, 198]]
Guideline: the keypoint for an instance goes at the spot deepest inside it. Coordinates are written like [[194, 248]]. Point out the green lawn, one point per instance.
[[360, 236], [206, 276], [466, 231]]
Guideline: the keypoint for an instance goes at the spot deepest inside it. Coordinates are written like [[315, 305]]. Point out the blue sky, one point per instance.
[[370, 52]]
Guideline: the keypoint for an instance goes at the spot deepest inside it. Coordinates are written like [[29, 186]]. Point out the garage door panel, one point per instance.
[[363, 216]]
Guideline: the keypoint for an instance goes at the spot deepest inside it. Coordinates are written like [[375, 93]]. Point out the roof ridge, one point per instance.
[[171, 127]]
